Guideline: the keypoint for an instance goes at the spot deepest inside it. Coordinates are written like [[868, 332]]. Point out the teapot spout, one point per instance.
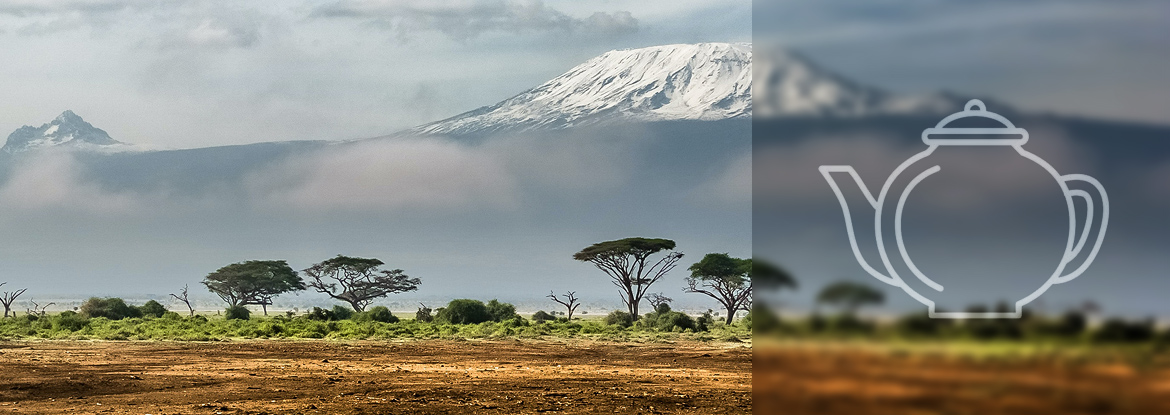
[[865, 214]]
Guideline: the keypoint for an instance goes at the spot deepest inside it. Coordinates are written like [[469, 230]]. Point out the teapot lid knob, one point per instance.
[[975, 105]]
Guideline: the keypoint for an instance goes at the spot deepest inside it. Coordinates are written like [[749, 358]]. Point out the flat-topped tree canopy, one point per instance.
[[253, 282], [625, 261], [724, 278], [638, 247], [771, 276], [358, 281]]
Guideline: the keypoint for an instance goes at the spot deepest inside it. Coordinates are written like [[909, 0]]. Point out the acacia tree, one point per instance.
[[570, 301], [850, 296], [358, 281], [253, 282], [625, 261], [728, 280], [186, 300], [657, 300], [8, 297]]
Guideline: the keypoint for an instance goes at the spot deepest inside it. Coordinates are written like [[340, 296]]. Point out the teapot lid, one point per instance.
[[975, 108]]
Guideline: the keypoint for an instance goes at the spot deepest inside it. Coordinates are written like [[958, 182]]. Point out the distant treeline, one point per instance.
[[1073, 325]]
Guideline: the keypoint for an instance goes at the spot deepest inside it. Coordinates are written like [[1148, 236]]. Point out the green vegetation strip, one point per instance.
[[172, 326]]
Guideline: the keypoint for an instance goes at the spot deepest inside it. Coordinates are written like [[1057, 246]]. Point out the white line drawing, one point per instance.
[[974, 108]]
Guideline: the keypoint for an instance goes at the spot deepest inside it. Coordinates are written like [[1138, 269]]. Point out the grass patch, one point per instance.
[[67, 326]]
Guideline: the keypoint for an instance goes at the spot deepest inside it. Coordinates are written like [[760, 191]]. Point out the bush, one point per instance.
[[1072, 324], [237, 313], [501, 311], [342, 313], [112, 308], [171, 315], [152, 309], [706, 321], [849, 323], [1117, 330], [424, 315], [321, 314], [69, 321], [662, 308], [542, 316], [516, 322], [920, 324], [380, 314], [620, 318], [464, 311], [662, 319]]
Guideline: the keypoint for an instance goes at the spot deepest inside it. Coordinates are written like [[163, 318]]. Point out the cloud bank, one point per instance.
[[468, 19]]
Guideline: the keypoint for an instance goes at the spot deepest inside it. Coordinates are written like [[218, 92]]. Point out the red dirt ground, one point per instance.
[[414, 377]]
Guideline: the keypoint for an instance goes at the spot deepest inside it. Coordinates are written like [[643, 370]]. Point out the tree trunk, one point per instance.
[[265, 307], [357, 306], [6, 311], [730, 315], [634, 309]]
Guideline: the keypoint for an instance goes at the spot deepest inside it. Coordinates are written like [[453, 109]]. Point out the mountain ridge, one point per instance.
[[67, 130], [704, 81]]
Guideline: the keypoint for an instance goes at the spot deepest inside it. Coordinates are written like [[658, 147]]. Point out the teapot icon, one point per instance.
[[955, 222]]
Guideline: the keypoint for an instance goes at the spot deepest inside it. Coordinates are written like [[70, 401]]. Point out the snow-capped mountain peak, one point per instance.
[[789, 85], [705, 81], [67, 130]]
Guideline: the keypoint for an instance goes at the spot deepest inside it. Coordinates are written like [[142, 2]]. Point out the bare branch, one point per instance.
[[570, 301], [8, 297], [185, 299]]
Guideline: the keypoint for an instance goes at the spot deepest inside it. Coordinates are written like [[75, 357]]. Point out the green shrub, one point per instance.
[[516, 322], [662, 308], [112, 308], [380, 314], [237, 313], [321, 314], [1118, 330], [849, 323], [424, 315], [342, 313], [501, 311], [69, 321], [152, 309], [620, 318], [172, 316], [706, 321], [464, 311], [1072, 324], [662, 319], [919, 324], [542, 316]]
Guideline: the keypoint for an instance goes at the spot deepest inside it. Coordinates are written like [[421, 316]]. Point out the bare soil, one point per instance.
[[412, 377], [820, 380]]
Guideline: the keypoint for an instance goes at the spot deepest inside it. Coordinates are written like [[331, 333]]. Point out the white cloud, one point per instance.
[[386, 175], [51, 181], [468, 19], [212, 32], [788, 173], [579, 164]]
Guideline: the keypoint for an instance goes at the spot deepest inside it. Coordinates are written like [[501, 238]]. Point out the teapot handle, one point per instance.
[[1087, 228]]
